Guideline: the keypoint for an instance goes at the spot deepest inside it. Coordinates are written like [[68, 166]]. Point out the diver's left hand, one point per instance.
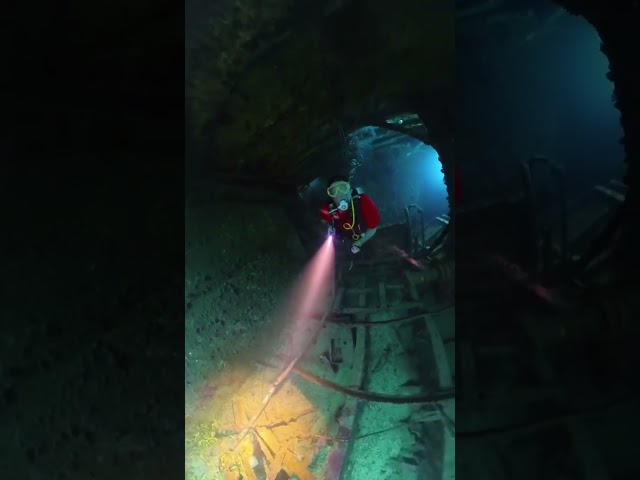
[[355, 248]]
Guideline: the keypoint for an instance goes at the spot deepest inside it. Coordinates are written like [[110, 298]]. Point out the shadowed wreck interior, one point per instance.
[[531, 403], [276, 93], [534, 324], [278, 114], [543, 317]]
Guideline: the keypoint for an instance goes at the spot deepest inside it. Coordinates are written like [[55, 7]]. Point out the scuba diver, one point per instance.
[[352, 216]]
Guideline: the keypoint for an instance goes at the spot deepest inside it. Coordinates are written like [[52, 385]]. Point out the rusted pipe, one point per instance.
[[410, 318], [370, 396]]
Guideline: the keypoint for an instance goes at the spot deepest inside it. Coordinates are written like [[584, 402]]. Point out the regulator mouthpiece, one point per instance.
[[343, 205]]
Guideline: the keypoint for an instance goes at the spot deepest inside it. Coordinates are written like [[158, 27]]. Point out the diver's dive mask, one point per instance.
[[338, 188]]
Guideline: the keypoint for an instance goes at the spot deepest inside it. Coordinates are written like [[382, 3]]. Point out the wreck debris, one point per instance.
[[281, 379]]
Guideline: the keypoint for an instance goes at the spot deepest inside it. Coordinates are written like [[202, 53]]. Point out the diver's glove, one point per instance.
[[355, 248], [331, 231]]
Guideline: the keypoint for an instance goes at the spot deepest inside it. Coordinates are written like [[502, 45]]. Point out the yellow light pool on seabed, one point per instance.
[[286, 436], [289, 432]]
